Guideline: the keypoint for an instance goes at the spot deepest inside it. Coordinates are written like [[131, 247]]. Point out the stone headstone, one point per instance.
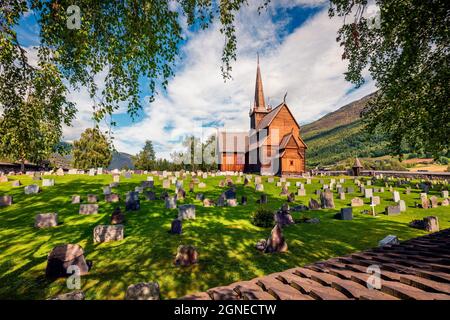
[[431, 224], [396, 196], [357, 202], [113, 184], [202, 185], [143, 291], [445, 202], [308, 181], [257, 180], [64, 256], [270, 179], [276, 241], [149, 195], [199, 196], [301, 192], [283, 218], [291, 197], [127, 175], [76, 199], [230, 194], [112, 197], [445, 194], [243, 200], [341, 196], [170, 202], [107, 233], [425, 203], [88, 208], [5, 201], [350, 190], [208, 203], [259, 187], [92, 198], [176, 226], [186, 256], [313, 204], [132, 202], [166, 184], [46, 220], [116, 178], [434, 201], [402, 205], [263, 199], [106, 190], [284, 191], [231, 202], [186, 211], [60, 172], [388, 240], [368, 193], [392, 210], [74, 295], [48, 182], [15, 183], [326, 199], [375, 200], [31, 189], [345, 214], [117, 217]]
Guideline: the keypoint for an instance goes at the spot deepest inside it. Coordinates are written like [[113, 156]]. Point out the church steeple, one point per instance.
[[259, 103]]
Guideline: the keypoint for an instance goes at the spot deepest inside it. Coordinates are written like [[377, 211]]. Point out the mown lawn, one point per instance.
[[224, 237]]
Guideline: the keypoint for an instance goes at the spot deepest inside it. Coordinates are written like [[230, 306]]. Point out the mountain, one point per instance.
[[339, 135], [121, 160]]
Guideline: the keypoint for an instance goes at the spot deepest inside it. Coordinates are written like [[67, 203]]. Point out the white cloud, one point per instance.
[[306, 63]]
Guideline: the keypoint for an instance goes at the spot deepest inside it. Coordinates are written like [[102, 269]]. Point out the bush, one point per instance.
[[263, 217], [443, 160]]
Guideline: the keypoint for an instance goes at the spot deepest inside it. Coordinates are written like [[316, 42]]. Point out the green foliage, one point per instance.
[[263, 217], [443, 160], [92, 150], [407, 55], [145, 160], [33, 98]]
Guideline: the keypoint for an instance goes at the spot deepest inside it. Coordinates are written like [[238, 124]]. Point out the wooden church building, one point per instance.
[[272, 146]]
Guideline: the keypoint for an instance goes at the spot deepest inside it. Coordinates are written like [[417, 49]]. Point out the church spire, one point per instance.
[[259, 93]]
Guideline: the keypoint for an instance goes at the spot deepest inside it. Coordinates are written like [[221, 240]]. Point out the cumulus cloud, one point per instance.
[[306, 63]]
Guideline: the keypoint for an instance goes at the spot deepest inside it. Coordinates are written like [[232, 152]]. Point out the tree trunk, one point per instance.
[[22, 166]]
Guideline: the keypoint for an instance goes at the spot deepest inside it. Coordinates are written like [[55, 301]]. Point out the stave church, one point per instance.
[[272, 146]]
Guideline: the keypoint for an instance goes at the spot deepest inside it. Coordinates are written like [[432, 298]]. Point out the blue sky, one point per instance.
[[298, 55]]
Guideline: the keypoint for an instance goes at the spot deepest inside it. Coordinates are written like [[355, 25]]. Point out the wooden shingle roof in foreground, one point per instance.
[[415, 269]]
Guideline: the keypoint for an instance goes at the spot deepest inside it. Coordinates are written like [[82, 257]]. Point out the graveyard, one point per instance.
[[141, 247]]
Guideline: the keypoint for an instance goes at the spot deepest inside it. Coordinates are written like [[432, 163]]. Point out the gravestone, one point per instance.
[[279, 184], [106, 190], [143, 291], [243, 200], [402, 205], [381, 189], [221, 201], [117, 217], [326, 199], [284, 191], [88, 208], [46, 220], [199, 196], [127, 175], [431, 224], [76, 199], [138, 189], [181, 194], [291, 197], [5, 201], [176, 226], [186, 211], [132, 202], [445, 194], [150, 178], [259, 187], [230, 193], [60, 172], [368, 193], [15, 183], [31, 189], [231, 202], [392, 210], [388, 241], [116, 178], [270, 180], [308, 181], [108, 233], [357, 202], [345, 214], [166, 184], [313, 204], [350, 190], [202, 185], [375, 200], [73, 295], [64, 256], [301, 192], [92, 198], [208, 203], [396, 196], [434, 201], [112, 197], [149, 195], [445, 202], [113, 184], [186, 255], [287, 184], [341, 196], [257, 180], [276, 241], [170, 202]]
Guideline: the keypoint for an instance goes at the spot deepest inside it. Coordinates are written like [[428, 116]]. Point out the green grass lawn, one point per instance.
[[225, 237]]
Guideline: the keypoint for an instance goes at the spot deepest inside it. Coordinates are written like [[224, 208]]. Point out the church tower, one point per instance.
[[259, 109]]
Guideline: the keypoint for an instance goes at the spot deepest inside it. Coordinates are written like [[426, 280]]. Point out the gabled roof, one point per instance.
[[357, 164], [268, 118], [285, 140]]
